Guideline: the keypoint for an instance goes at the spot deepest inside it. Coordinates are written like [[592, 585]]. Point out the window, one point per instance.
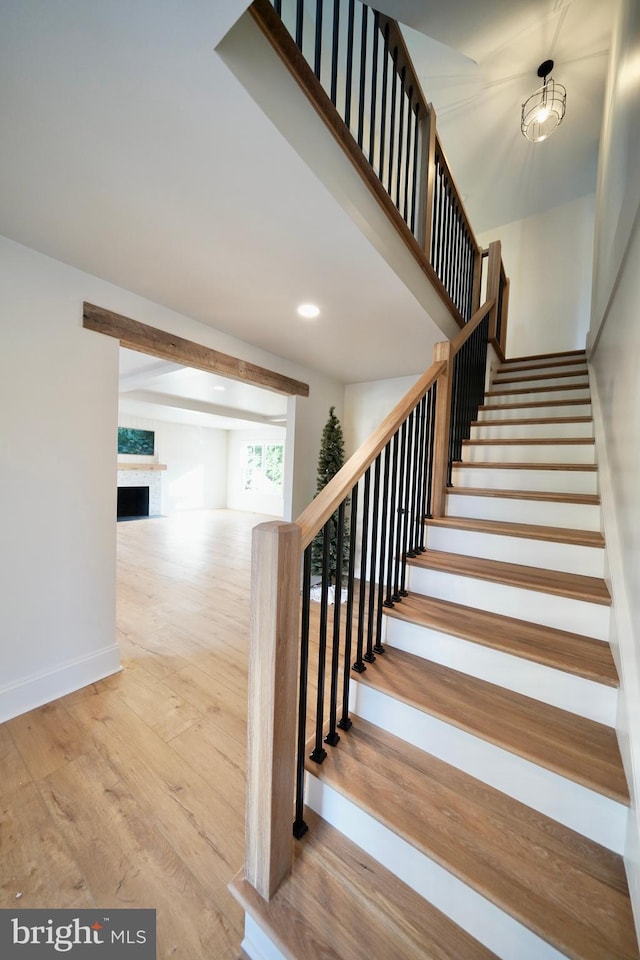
[[263, 467]]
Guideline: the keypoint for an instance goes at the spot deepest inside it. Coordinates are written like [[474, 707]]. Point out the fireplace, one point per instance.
[[133, 502]]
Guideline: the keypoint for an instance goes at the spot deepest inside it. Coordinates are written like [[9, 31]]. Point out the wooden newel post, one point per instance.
[[442, 351], [272, 714], [493, 284]]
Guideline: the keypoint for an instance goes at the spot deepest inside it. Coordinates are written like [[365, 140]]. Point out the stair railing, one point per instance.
[[353, 64], [358, 533]]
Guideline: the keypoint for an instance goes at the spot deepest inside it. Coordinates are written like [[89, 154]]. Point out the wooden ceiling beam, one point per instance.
[[157, 343]]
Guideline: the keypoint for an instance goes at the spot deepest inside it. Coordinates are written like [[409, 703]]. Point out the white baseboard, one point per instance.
[[40, 688]]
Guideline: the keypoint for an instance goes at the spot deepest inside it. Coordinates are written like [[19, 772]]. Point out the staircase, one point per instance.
[[478, 805]]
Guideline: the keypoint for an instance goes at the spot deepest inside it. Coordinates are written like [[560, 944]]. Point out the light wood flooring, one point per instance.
[[130, 792]]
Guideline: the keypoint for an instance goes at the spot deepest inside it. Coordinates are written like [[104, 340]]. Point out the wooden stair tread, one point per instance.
[[533, 403], [347, 905], [541, 366], [569, 652], [588, 499], [550, 389], [532, 531], [567, 889], [533, 441], [484, 465], [529, 421], [539, 376], [581, 750], [547, 356], [572, 585]]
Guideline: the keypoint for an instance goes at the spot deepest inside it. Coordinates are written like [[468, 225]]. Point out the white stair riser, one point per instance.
[[528, 452], [564, 613], [573, 516], [548, 481], [532, 379], [595, 701], [526, 431], [499, 932], [256, 943], [526, 411], [547, 554], [534, 396], [551, 363], [577, 807]]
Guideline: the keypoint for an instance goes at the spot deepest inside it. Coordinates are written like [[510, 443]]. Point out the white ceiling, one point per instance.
[[131, 152], [477, 62]]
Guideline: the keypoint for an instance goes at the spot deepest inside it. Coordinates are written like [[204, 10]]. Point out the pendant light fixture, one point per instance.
[[544, 110]]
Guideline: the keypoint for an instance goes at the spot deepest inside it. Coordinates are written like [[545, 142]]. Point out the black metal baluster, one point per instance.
[[430, 451], [374, 85], [399, 559], [441, 200], [319, 753], [418, 489], [393, 520], [359, 665], [458, 260], [447, 263], [349, 70], [407, 519], [344, 722], [363, 74], [299, 826], [416, 137], [383, 105], [392, 122], [299, 23], [334, 52], [378, 647], [277, 5], [403, 73], [317, 60], [409, 154], [369, 655], [332, 736]]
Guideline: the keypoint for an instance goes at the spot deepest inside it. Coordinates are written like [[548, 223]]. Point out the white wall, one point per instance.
[[196, 461], [615, 351], [58, 420], [253, 501], [58, 404], [367, 404], [548, 259]]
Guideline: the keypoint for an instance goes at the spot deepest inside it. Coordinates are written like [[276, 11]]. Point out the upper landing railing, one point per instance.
[[353, 64]]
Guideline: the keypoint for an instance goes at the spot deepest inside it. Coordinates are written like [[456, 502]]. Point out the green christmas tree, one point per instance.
[[330, 459]]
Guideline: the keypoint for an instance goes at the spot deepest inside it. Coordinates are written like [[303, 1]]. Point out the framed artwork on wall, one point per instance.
[[140, 442]]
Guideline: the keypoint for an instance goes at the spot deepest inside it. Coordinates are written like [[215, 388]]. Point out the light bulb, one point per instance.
[[543, 113]]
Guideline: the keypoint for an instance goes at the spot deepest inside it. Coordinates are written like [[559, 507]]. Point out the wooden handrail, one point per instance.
[[313, 518], [469, 327]]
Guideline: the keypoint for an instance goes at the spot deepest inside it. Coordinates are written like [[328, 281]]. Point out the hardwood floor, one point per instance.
[[130, 792]]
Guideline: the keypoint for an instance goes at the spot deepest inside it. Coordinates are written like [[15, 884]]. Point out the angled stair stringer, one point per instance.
[[482, 771]]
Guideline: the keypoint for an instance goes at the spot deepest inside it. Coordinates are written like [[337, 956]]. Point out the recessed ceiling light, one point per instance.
[[219, 388], [308, 310]]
